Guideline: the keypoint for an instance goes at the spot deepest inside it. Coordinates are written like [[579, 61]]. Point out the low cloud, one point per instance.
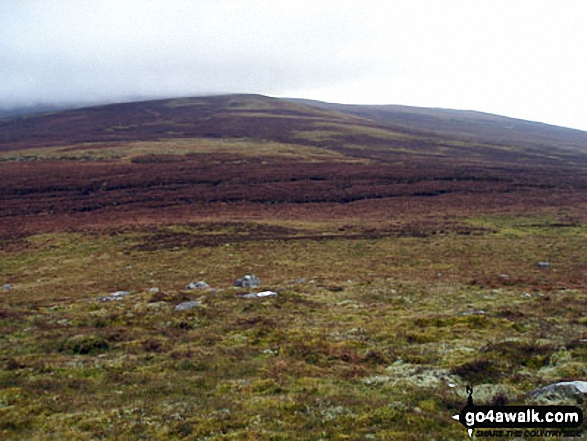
[[516, 58]]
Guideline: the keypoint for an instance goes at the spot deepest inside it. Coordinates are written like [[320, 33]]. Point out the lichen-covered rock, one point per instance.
[[188, 305], [248, 281], [563, 393], [198, 285]]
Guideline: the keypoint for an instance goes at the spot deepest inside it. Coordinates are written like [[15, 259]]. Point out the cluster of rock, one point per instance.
[[252, 281], [248, 281]]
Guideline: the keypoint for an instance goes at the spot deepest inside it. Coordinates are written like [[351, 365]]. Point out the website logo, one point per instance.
[[515, 421]]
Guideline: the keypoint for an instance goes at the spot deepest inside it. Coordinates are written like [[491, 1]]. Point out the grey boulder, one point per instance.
[[563, 393], [248, 281], [198, 285], [188, 305]]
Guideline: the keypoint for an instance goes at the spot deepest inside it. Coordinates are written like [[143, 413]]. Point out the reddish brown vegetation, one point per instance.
[[386, 188], [48, 196]]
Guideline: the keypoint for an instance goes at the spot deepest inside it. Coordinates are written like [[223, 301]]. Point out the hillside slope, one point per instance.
[[248, 156], [361, 131], [466, 125]]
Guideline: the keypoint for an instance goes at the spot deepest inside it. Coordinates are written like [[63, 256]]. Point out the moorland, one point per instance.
[[412, 252]]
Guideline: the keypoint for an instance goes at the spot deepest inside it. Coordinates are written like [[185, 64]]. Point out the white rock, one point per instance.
[[580, 385], [258, 295], [118, 295], [266, 294]]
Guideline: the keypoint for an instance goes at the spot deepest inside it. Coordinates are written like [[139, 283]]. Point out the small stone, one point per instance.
[[188, 305], [267, 294], [197, 285], [259, 295], [118, 295], [474, 312], [248, 281]]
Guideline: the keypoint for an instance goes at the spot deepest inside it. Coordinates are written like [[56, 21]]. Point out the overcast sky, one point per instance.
[[520, 58]]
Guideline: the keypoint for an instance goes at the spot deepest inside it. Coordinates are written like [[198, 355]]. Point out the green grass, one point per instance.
[[327, 130], [364, 349], [177, 146]]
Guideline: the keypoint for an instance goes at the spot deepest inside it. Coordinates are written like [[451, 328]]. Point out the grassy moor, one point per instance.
[[409, 252]]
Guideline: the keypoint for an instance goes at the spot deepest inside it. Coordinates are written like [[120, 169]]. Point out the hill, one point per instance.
[[409, 253], [372, 131], [102, 164], [468, 125]]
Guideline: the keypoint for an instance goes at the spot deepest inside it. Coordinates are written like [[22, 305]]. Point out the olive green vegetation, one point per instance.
[[369, 346], [176, 148]]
